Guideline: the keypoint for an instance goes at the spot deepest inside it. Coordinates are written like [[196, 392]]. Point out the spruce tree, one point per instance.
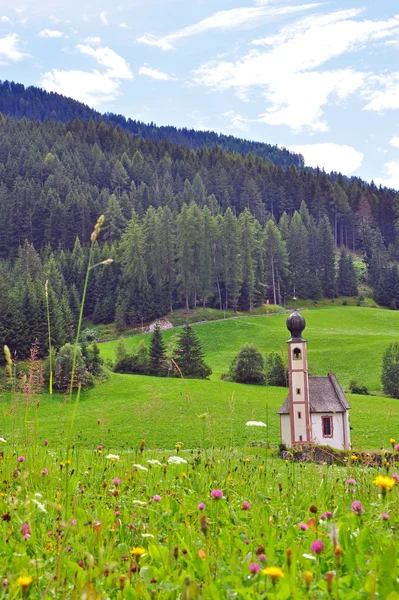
[[189, 357], [157, 353], [346, 275]]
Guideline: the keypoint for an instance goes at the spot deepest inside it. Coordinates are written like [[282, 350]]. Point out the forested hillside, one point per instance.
[[184, 228], [32, 102]]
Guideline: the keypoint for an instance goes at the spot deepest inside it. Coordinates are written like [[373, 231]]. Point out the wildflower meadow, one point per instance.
[[193, 524]]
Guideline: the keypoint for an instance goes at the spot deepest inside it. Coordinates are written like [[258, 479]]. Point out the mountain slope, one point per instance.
[[19, 101]]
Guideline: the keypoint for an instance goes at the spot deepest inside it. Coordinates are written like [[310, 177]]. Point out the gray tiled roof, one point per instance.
[[325, 395]]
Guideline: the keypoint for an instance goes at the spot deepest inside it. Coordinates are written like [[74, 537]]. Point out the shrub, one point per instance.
[[355, 388], [62, 368], [248, 366]]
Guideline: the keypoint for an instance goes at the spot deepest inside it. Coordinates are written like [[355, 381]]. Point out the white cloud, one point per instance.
[[92, 88], [394, 141], [237, 121], [155, 73], [55, 19], [5, 20], [51, 33], [329, 156], [224, 20], [93, 41], [385, 98], [103, 18], [117, 67], [123, 25], [10, 49], [392, 175], [286, 68]]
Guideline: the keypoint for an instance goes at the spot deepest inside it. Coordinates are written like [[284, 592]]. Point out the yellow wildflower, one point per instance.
[[247, 460], [261, 468], [354, 457], [24, 581], [385, 483], [308, 578], [137, 552], [274, 573], [392, 441]]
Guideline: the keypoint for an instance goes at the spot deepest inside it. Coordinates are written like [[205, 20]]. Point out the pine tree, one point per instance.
[[326, 258], [347, 285], [189, 357], [157, 353], [230, 243], [276, 262], [298, 251], [390, 370]]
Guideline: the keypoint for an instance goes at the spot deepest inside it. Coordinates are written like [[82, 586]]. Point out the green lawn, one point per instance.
[[127, 408], [348, 340]]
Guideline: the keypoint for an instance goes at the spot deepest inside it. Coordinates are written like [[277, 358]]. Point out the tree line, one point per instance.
[[19, 101], [163, 261]]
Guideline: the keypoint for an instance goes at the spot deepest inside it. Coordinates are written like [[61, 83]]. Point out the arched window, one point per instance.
[[297, 354]]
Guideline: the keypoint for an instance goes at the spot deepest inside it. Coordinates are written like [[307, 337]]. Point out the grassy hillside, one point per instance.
[[348, 340], [128, 408]]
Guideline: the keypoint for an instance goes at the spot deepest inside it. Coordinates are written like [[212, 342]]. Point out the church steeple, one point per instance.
[[298, 381]]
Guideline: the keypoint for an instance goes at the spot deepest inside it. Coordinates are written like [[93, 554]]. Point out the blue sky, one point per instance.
[[321, 78]]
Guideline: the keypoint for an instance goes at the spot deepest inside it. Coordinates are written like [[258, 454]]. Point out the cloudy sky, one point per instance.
[[321, 78]]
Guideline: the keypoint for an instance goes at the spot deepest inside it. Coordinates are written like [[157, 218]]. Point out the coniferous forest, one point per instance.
[[186, 225]]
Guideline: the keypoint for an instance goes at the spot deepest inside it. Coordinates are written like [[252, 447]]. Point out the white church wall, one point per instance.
[[285, 425], [339, 426]]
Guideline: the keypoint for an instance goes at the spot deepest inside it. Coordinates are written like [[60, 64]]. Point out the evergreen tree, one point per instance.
[[298, 252], [347, 284], [276, 262], [276, 372], [157, 353], [189, 357], [326, 258]]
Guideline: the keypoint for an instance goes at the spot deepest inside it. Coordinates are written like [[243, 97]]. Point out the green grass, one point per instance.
[[348, 340], [126, 408]]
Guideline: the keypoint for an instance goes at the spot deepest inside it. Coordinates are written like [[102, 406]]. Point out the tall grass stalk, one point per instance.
[[50, 350]]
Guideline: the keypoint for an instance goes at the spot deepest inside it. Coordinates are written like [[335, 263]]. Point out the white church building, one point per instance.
[[316, 409]]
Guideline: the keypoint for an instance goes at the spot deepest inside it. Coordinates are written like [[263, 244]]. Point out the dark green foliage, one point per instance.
[[390, 370], [347, 282], [157, 354], [18, 101], [62, 367], [248, 366], [356, 388], [276, 371], [184, 226], [189, 357]]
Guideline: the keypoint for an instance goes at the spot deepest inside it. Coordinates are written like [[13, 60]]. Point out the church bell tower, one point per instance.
[[301, 425]]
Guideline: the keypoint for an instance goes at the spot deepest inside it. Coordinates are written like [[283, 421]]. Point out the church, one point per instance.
[[316, 409]]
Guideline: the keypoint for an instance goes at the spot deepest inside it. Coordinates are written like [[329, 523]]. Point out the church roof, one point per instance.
[[325, 395]]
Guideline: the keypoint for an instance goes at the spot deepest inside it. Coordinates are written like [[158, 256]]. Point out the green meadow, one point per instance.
[[348, 340], [127, 408]]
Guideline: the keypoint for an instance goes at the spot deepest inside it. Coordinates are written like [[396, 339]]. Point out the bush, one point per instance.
[[248, 366], [390, 370], [355, 388], [62, 368]]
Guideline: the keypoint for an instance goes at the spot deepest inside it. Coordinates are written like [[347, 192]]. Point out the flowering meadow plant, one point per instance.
[[206, 526]]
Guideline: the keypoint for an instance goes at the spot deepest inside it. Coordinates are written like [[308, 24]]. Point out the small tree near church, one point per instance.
[[189, 357]]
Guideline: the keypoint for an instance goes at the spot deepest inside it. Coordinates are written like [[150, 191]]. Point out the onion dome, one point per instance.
[[295, 325]]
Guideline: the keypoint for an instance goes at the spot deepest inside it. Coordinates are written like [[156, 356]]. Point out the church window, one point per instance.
[[298, 391], [299, 414], [300, 438], [297, 354], [327, 426]]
